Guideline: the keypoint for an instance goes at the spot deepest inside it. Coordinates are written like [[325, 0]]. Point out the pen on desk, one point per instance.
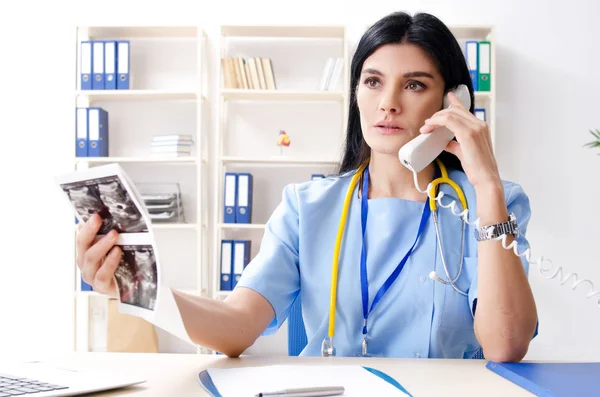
[[305, 392]]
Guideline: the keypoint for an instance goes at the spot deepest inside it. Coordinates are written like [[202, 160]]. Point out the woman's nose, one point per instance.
[[390, 102]]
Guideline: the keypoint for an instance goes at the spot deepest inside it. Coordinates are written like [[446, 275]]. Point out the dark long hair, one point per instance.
[[433, 37]]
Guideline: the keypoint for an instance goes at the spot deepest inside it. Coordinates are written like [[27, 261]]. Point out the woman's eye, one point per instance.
[[371, 82], [415, 86]]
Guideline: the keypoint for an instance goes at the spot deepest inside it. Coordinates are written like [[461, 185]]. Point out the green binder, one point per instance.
[[485, 61]]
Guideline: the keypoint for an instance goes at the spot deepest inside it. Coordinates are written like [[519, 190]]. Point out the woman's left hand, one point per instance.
[[473, 145]]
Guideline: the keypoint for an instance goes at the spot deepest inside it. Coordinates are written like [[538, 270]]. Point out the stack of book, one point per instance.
[[172, 145], [253, 73]]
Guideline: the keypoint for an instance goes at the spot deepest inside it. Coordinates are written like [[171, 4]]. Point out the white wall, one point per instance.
[[547, 59]]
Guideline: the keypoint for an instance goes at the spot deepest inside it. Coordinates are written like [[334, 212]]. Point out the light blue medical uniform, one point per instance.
[[417, 317]]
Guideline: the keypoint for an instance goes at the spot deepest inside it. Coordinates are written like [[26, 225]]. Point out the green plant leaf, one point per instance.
[[596, 143]]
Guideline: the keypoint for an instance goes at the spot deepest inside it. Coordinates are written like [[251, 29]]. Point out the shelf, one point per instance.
[[188, 291], [175, 226], [254, 226], [278, 161], [279, 31], [483, 94], [89, 293], [146, 95], [462, 32], [128, 32], [149, 159], [280, 95]]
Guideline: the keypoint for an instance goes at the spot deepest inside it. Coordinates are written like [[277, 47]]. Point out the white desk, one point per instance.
[[177, 374]]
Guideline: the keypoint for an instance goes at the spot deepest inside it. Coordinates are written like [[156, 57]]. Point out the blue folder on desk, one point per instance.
[[207, 383], [552, 379]]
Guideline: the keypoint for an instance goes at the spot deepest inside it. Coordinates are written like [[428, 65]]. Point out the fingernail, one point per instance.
[[115, 253]]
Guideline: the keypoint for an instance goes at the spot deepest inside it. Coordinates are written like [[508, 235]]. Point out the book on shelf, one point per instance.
[[332, 72], [172, 145], [250, 73]]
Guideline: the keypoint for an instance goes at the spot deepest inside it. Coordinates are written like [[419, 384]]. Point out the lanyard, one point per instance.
[[363, 258]]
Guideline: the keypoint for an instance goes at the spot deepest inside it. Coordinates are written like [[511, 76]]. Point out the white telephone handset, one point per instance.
[[422, 150]]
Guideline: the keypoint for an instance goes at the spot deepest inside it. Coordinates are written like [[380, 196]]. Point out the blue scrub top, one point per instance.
[[417, 317]]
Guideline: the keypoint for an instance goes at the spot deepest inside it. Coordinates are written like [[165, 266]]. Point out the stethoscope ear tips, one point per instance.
[[434, 276]]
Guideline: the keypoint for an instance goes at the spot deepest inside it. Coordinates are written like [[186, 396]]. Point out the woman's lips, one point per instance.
[[388, 130]]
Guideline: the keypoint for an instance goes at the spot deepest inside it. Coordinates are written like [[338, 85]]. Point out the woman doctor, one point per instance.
[[400, 72]]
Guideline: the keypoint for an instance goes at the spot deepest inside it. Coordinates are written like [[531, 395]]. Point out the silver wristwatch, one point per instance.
[[493, 231]]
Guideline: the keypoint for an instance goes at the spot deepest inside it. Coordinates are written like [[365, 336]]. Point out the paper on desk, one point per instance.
[[107, 190], [249, 381]]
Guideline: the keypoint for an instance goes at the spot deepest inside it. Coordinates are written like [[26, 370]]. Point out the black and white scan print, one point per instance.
[[107, 197], [137, 276]]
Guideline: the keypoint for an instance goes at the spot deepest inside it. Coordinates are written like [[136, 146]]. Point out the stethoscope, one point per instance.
[[327, 348]]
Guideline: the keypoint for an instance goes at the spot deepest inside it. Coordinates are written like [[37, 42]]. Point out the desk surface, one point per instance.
[[176, 374]]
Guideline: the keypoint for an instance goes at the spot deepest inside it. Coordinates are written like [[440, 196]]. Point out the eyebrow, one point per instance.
[[406, 75]]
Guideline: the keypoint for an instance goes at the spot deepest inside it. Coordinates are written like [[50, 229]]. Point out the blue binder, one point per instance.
[[230, 197], [472, 58], [241, 258], [123, 64], [244, 198], [110, 65], [85, 286], [552, 379], [81, 132], [226, 264], [85, 59], [98, 65], [480, 113], [97, 132]]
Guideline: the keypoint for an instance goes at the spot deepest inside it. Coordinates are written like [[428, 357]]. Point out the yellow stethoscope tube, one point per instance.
[[336, 251], [327, 348]]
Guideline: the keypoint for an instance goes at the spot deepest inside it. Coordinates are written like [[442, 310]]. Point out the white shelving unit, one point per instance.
[[251, 116], [483, 99], [167, 95]]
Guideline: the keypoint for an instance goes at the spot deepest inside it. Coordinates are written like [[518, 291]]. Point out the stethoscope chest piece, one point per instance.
[[327, 349]]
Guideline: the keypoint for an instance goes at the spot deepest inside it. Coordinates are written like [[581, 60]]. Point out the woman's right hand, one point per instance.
[[98, 261]]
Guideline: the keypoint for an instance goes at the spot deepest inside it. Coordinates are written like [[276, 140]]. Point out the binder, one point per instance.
[[244, 198], [485, 54], [81, 132], [552, 379], [123, 64], [480, 113], [226, 264], [241, 258], [85, 60], [97, 132], [472, 58], [110, 64], [85, 286], [98, 65], [230, 197]]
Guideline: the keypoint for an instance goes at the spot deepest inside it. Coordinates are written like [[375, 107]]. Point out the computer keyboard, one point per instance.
[[17, 386]]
